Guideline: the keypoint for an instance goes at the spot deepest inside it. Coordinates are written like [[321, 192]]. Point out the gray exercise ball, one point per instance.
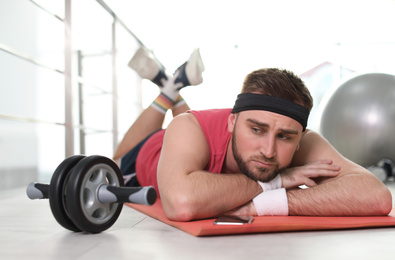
[[358, 118]]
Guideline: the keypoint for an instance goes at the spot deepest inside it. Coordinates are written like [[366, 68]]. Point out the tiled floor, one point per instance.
[[28, 231]]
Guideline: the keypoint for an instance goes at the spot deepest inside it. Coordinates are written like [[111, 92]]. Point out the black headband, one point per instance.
[[251, 101]]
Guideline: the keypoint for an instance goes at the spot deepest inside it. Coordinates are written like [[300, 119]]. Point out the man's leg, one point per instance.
[[180, 109], [148, 122], [152, 118]]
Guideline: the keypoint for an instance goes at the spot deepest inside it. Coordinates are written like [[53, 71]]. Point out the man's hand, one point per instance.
[[305, 175]]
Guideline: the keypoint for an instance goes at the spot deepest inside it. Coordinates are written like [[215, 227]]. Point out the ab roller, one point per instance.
[[86, 193]]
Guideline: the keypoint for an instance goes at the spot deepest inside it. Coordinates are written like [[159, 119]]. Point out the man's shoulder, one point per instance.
[[312, 147], [310, 138], [310, 135]]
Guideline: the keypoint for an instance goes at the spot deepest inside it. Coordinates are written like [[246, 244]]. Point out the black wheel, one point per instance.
[[57, 189], [83, 205]]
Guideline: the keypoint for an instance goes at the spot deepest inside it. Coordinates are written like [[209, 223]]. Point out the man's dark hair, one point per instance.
[[278, 83]]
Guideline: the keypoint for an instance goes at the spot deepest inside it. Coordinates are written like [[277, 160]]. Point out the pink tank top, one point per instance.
[[214, 124]]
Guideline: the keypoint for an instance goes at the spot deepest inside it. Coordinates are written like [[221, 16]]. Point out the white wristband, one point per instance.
[[271, 185], [271, 203]]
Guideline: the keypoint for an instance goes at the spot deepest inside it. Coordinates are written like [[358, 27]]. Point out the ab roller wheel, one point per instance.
[[86, 193], [57, 192], [83, 204]]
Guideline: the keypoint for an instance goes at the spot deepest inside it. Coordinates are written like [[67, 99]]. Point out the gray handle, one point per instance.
[[106, 194], [140, 195], [37, 191]]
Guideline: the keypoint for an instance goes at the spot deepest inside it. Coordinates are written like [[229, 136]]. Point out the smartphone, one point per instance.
[[233, 220]]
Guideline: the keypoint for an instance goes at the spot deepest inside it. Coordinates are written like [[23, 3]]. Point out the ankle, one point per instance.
[[162, 103]]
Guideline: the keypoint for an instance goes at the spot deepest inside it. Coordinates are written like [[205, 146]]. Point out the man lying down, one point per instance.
[[248, 160]]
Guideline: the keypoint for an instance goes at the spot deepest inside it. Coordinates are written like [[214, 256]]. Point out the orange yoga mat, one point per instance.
[[267, 224]]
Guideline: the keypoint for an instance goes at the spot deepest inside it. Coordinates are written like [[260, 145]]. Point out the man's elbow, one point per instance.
[[384, 203], [377, 200], [179, 209]]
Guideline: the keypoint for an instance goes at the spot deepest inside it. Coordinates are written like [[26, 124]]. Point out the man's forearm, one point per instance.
[[215, 194], [353, 194]]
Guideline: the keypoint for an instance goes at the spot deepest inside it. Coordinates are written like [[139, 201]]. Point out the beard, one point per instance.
[[261, 174]]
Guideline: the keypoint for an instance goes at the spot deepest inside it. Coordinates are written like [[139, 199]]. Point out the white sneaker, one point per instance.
[[147, 66]]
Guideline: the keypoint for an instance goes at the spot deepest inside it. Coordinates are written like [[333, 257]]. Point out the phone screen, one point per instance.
[[233, 220]]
